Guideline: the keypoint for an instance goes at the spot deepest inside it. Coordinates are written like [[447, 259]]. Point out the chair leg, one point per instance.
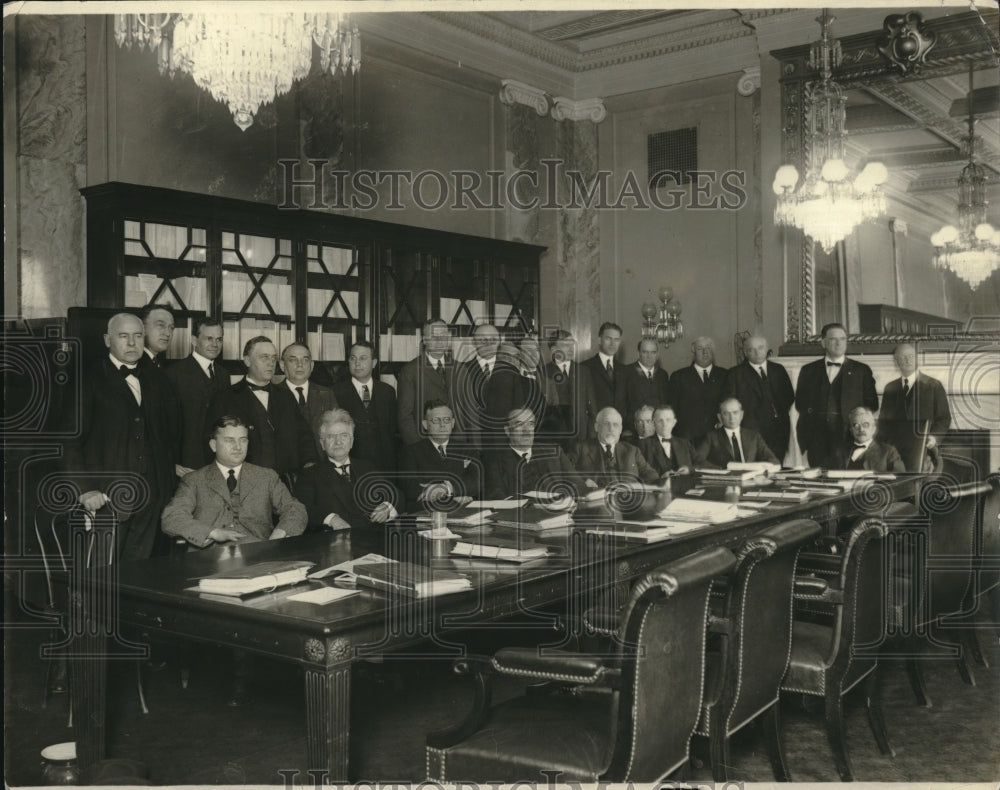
[[873, 702], [972, 645], [836, 736], [718, 750], [771, 723], [139, 686], [916, 675], [965, 660]]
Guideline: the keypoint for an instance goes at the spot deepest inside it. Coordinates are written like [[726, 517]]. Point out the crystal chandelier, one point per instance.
[[243, 60], [830, 203], [972, 250], [663, 322]]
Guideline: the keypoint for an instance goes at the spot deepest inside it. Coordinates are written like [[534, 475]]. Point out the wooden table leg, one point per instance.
[[88, 689], [328, 710]]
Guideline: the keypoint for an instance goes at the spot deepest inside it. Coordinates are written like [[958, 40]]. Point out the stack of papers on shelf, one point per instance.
[[254, 578], [703, 511], [535, 519], [417, 581], [500, 549]]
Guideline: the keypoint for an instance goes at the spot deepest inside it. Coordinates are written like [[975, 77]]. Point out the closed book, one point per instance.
[[729, 475], [534, 519], [416, 581], [500, 549], [684, 509], [463, 515], [254, 578]]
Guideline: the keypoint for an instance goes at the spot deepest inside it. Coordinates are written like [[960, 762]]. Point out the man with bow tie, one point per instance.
[[605, 459], [158, 324], [828, 389], [124, 455], [765, 390], [280, 437], [915, 412], [666, 453], [428, 377], [341, 491], [865, 452]]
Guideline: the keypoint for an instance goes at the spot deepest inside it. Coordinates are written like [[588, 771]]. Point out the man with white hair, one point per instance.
[[865, 452], [605, 459]]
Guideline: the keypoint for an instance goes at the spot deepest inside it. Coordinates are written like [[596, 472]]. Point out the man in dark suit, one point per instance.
[[280, 437], [827, 391], [313, 400], [764, 389], [696, 391], [195, 379], [605, 459], [732, 442], [342, 491], [865, 452], [914, 406], [477, 400], [520, 466], [428, 377], [642, 425], [125, 442], [372, 405], [605, 377], [437, 468], [230, 500], [666, 453], [645, 381], [158, 324], [566, 395]]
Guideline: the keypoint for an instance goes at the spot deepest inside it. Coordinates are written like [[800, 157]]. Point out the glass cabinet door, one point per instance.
[[334, 304]]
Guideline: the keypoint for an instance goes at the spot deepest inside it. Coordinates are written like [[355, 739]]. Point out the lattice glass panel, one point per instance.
[[156, 240], [237, 333], [264, 252], [515, 296], [328, 259], [269, 296], [142, 289]]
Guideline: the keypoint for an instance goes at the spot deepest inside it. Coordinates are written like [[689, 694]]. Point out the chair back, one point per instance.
[[759, 609], [662, 653], [988, 541]]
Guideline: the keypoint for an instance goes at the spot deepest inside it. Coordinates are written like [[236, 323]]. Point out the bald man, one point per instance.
[[127, 442], [696, 391], [765, 390]]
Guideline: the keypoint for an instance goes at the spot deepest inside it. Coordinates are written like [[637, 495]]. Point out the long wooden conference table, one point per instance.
[[156, 597]]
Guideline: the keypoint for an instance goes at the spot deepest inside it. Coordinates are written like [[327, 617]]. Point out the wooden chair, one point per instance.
[[750, 638], [627, 718], [843, 598]]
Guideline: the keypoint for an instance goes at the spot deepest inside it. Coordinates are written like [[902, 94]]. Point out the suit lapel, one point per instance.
[[217, 483]]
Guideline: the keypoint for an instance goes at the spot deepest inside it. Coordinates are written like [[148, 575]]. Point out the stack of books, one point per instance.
[[467, 515], [699, 511], [255, 578], [534, 519], [415, 581], [508, 550]]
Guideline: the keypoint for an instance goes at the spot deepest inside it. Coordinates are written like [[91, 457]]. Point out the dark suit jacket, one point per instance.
[[416, 384], [682, 453], [601, 390], [820, 429], [374, 427], [194, 391], [904, 422], [319, 400], [508, 475], [421, 463], [765, 406], [481, 405], [640, 390], [203, 503], [695, 402], [566, 397], [281, 439], [878, 457], [629, 463], [323, 491], [719, 450]]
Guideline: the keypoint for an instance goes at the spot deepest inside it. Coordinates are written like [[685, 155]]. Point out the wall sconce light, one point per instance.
[[663, 322]]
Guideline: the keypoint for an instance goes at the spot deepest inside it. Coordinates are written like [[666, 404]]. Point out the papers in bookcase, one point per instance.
[[493, 552], [704, 511], [348, 566], [323, 595]]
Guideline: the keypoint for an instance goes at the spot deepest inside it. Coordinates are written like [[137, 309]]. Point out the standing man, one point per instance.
[[764, 389], [436, 467], [827, 391], [472, 386], [372, 406], [607, 382], [158, 323], [195, 379], [280, 437], [605, 459], [914, 408], [312, 399], [666, 453], [645, 381], [125, 432], [696, 391], [734, 443], [565, 391], [428, 377]]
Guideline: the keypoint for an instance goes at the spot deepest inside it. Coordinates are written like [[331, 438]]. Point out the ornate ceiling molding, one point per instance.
[[564, 109], [514, 92], [505, 35]]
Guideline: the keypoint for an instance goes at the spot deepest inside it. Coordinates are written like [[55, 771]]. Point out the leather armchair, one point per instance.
[[749, 643], [627, 717]]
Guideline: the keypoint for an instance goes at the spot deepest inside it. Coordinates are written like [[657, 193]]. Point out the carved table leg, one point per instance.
[[88, 688], [328, 712]]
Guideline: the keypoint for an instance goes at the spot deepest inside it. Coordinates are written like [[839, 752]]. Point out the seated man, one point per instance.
[[666, 453], [435, 467], [642, 425], [230, 499], [520, 467], [340, 492], [734, 443], [606, 460], [866, 452]]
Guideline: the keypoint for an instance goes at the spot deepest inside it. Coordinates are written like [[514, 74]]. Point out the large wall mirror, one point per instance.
[[882, 279]]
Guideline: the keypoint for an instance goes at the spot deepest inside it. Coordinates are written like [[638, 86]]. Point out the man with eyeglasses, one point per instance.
[[436, 468], [521, 466]]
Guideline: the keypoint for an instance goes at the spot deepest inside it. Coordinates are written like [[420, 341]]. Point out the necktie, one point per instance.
[[609, 455], [302, 397], [345, 472], [737, 455], [763, 375], [704, 376], [906, 388], [258, 387], [126, 371], [486, 370], [211, 371], [611, 370], [830, 364], [858, 453], [441, 451], [649, 375], [231, 481], [665, 443], [527, 456], [366, 396]]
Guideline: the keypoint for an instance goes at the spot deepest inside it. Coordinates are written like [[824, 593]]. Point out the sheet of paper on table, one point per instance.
[[323, 595]]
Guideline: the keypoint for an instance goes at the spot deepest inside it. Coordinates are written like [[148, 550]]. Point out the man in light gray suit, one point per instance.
[[230, 500]]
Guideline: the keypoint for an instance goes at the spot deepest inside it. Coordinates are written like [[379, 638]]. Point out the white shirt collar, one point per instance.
[[359, 384], [522, 453], [440, 447], [646, 371], [304, 385], [225, 470], [434, 362], [730, 432], [605, 446], [605, 359], [700, 369], [841, 360], [203, 361], [760, 367], [484, 362], [149, 352]]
